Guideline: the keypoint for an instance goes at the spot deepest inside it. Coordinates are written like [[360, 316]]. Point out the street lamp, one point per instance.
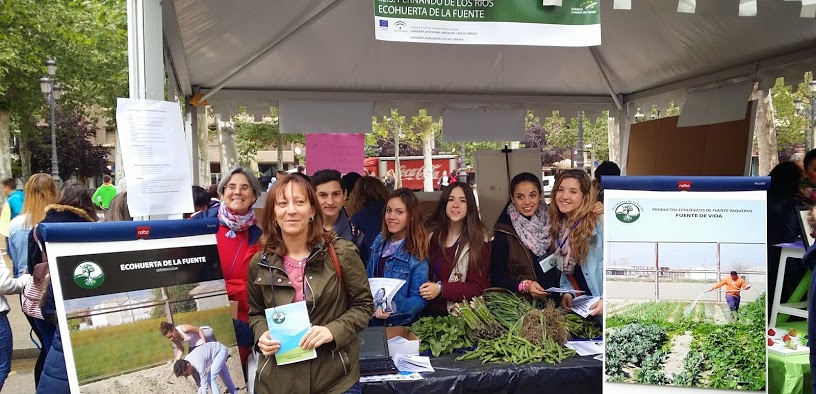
[[52, 91]]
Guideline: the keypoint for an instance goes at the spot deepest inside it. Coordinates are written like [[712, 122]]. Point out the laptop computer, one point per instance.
[[374, 357]]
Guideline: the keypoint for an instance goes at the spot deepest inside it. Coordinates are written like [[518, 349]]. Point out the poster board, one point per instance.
[[115, 282], [660, 147], [667, 242], [492, 181], [336, 151]]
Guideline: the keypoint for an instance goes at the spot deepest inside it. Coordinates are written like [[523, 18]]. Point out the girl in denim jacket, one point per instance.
[[400, 252]]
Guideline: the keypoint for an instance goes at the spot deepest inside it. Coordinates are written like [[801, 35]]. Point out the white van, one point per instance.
[[547, 182]]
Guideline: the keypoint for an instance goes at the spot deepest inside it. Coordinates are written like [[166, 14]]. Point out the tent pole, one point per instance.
[[597, 57]]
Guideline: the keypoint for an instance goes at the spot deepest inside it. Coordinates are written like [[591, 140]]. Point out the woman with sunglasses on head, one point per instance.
[[302, 262], [459, 251], [401, 252], [578, 234]]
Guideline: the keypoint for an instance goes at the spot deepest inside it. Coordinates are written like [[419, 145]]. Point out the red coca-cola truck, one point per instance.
[[411, 168]]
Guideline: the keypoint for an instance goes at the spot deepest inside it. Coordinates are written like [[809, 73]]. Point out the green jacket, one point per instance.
[[345, 314], [103, 195]]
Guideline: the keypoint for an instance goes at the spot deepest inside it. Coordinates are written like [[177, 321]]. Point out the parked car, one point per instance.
[[547, 182]]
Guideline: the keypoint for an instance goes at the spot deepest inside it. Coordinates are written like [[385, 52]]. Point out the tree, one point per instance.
[[789, 125], [423, 127], [673, 109], [179, 298], [536, 136], [77, 154], [89, 41], [381, 141]]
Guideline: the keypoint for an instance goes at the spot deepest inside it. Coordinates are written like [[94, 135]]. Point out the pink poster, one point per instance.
[[341, 152]]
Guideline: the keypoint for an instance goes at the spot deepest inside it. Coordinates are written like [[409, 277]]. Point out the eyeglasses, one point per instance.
[[232, 187]]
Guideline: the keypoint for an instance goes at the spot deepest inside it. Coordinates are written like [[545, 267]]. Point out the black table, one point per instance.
[[575, 375]]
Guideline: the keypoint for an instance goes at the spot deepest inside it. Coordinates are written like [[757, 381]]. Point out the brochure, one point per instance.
[[586, 348], [384, 290], [582, 304], [288, 324], [560, 290]]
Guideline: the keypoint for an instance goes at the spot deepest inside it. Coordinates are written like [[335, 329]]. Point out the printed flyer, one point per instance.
[[288, 324]]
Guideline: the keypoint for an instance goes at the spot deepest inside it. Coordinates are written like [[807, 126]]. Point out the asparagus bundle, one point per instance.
[[478, 318]]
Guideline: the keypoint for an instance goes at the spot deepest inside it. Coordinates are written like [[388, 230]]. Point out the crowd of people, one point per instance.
[[320, 239]]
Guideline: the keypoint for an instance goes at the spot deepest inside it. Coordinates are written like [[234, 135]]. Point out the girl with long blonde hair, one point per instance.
[[577, 230], [40, 191]]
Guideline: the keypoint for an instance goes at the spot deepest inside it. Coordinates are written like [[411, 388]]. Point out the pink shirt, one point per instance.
[[294, 270]]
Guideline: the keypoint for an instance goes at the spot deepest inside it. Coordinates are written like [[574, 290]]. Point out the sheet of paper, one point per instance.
[[560, 290], [581, 304], [409, 363], [151, 134], [384, 290], [599, 357], [288, 324], [586, 348], [396, 376], [397, 340]]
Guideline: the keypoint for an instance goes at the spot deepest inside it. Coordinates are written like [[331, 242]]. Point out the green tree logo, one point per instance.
[[88, 275], [627, 211]]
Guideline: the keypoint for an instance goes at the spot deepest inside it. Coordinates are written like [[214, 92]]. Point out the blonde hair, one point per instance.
[[40, 191], [583, 218]]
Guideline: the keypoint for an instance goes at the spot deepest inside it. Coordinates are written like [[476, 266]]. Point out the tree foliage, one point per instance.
[[87, 38], [76, 152], [180, 299], [381, 141]]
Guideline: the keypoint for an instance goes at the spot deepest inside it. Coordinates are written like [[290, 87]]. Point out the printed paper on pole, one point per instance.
[[575, 23], [151, 135]]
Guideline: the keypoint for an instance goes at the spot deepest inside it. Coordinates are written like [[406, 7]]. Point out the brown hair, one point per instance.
[[366, 190], [75, 194], [416, 236], [166, 328], [272, 240], [40, 192], [579, 236], [9, 183], [473, 230]]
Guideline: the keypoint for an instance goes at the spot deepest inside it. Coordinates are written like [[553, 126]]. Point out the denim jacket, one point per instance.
[[18, 244], [593, 268], [407, 304]]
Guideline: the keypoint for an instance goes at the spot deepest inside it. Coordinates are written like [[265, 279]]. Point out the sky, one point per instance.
[[677, 255]]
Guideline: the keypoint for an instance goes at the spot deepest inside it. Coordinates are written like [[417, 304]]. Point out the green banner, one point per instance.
[[506, 22]]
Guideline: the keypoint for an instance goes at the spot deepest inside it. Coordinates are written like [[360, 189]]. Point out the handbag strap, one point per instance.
[[337, 267]]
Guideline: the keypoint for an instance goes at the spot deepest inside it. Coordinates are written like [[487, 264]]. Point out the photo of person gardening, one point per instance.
[[686, 314]]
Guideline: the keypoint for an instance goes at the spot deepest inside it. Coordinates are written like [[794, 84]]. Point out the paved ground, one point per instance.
[[21, 379]]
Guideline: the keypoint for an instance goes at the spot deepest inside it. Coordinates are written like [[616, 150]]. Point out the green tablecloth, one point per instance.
[[791, 374]]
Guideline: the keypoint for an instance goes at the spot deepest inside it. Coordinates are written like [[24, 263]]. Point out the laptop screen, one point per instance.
[[373, 343]]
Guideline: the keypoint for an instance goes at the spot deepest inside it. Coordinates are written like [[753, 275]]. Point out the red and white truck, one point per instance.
[[411, 168]]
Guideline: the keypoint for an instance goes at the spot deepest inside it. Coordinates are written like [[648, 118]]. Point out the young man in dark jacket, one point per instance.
[[330, 196]]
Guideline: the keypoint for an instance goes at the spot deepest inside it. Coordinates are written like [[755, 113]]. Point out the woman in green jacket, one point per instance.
[[296, 265]]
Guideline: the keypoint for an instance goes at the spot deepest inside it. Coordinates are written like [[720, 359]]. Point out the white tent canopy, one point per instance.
[[255, 52]]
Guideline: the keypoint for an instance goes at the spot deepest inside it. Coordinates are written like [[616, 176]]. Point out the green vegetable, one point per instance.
[[441, 335]]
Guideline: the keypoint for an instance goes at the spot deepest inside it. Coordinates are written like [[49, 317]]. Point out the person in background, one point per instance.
[[74, 205], [14, 197], [8, 285], [105, 193], [204, 363], [42, 192], [390, 181], [330, 197], [201, 200], [605, 168], [279, 174], [578, 233], [118, 211], [798, 158], [459, 251], [300, 169], [733, 287], [808, 182], [784, 199], [401, 252], [237, 239], [348, 181], [366, 206], [444, 181], [214, 196], [300, 261]]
